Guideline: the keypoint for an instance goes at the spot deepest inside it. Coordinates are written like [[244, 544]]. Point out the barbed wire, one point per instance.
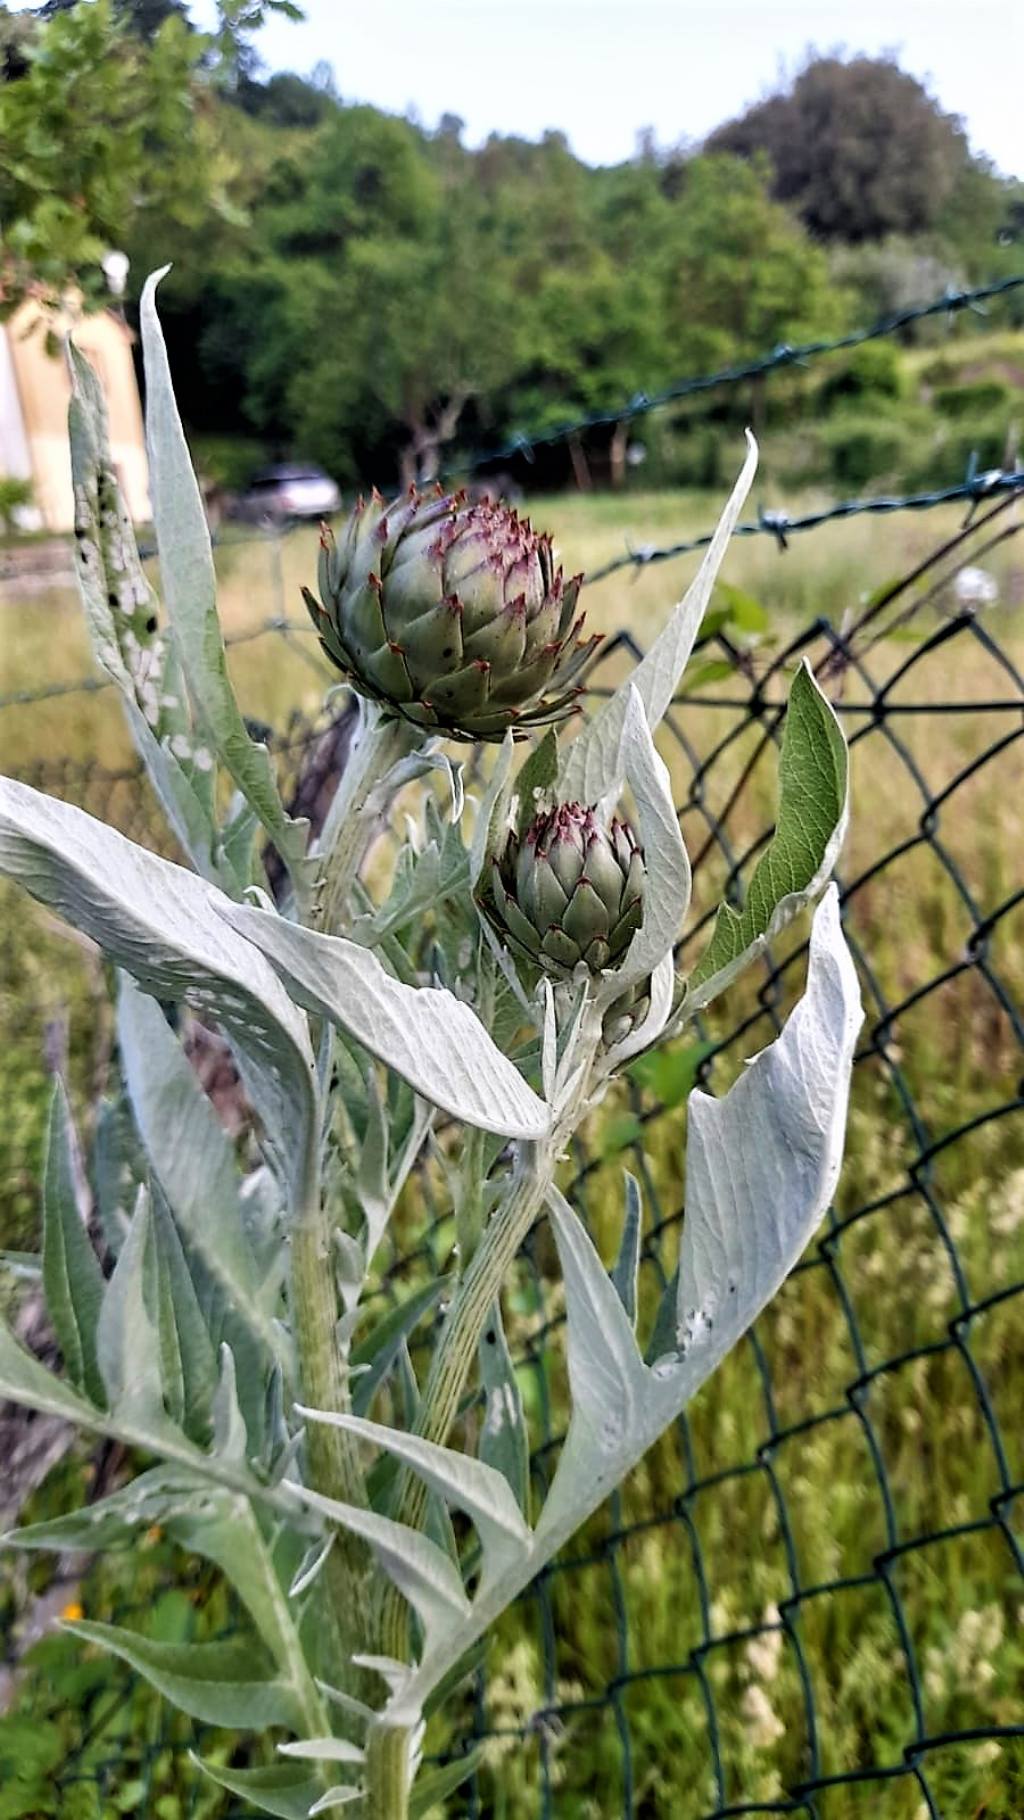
[[94, 685], [784, 354], [773, 522]]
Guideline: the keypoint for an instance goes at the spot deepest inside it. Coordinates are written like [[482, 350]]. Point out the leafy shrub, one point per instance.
[[14, 494], [862, 448], [874, 370], [972, 399]]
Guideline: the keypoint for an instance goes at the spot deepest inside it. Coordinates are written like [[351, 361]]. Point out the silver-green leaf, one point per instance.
[[159, 923], [190, 591], [72, 1278], [590, 766], [427, 1035], [209, 1681]]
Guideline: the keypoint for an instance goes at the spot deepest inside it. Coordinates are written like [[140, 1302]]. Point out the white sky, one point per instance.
[[602, 69]]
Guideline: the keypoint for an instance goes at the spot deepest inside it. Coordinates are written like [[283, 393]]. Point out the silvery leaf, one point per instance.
[[205, 1519], [429, 1037], [374, 1358], [340, 1796], [230, 1437], [423, 1574], [323, 1750], [762, 1164], [286, 1790], [213, 1682], [127, 1344], [159, 923], [606, 1373], [193, 1160], [190, 591], [668, 869], [465, 1484], [590, 764], [809, 831], [120, 611]]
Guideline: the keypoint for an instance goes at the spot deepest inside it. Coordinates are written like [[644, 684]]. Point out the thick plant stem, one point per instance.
[[355, 810], [480, 1288], [387, 1774], [334, 1467], [443, 1392]]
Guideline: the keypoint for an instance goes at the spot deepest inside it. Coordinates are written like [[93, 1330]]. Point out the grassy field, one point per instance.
[[816, 1454]]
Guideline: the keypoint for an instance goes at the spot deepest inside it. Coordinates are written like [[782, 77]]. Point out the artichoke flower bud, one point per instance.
[[451, 613], [568, 890], [626, 1014]]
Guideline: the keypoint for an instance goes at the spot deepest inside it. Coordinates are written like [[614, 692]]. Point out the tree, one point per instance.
[[99, 130], [859, 148]]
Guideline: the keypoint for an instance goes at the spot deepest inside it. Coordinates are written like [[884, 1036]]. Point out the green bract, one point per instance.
[[452, 613], [569, 890]]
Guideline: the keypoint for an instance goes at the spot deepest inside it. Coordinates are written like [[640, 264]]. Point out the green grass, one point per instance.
[[814, 1508]]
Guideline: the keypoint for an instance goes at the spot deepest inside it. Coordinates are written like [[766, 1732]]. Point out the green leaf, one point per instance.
[[187, 1359], [190, 590], [626, 1273], [160, 923], [716, 669], [375, 1357], [24, 1380], [811, 823], [504, 1444], [741, 609], [536, 778], [429, 1037], [670, 1074], [430, 1790], [72, 1278], [209, 1681], [619, 1133], [492, 815]]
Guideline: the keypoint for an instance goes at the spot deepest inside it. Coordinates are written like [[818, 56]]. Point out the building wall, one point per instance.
[[40, 394]]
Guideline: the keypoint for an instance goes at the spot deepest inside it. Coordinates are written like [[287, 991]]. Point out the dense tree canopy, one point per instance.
[[349, 287], [857, 147]]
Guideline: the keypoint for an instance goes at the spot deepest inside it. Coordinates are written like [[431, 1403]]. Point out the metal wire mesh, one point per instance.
[[810, 1599], [835, 1525]]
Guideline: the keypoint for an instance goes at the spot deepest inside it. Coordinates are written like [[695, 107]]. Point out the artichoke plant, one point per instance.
[[452, 613], [569, 890]]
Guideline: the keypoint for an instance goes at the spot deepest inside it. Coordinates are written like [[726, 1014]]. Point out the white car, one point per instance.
[[289, 491]]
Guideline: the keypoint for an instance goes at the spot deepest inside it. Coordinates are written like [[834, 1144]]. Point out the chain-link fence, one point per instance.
[[810, 1601], [810, 1598]]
